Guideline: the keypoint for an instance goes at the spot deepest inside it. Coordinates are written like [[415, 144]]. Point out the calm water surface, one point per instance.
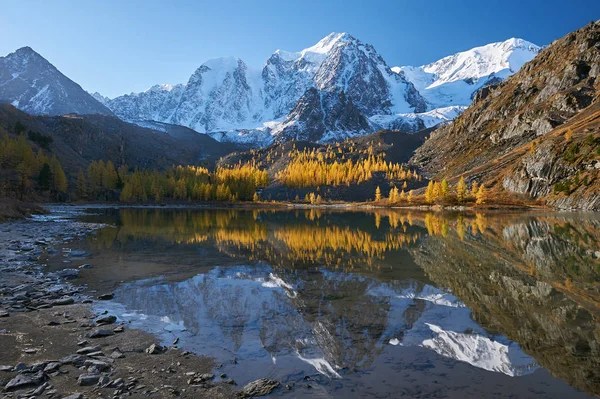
[[354, 304]]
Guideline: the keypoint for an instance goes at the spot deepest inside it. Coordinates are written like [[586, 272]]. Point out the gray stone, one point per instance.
[[199, 379], [88, 379], [52, 366], [155, 349], [73, 359], [20, 367], [101, 333], [98, 365], [63, 301], [85, 266], [106, 297], [88, 349], [117, 355], [25, 380], [74, 396]]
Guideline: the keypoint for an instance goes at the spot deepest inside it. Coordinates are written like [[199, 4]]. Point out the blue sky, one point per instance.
[[120, 46]]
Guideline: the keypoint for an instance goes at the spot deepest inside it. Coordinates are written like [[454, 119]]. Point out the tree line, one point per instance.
[[310, 168], [25, 172]]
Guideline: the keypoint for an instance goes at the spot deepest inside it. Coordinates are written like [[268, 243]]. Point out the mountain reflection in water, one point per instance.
[[347, 294]]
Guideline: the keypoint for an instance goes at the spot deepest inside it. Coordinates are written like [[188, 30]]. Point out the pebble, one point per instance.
[[88, 349], [155, 349], [106, 297]]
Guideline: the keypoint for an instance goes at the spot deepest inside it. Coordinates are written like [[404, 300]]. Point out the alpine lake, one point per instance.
[[375, 303]]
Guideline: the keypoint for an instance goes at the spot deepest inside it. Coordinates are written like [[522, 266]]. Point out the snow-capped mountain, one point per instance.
[[454, 79], [227, 99], [29, 82], [338, 88]]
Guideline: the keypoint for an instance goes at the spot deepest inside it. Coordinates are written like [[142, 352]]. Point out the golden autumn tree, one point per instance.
[[482, 195], [444, 190], [377, 194], [429, 192], [393, 196], [461, 190]]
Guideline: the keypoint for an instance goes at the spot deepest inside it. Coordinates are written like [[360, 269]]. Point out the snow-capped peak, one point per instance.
[[225, 63], [328, 42], [452, 80], [160, 87], [482, 61]]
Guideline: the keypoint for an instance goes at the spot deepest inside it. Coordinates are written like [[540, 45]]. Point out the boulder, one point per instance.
[[26, 380], [261, 387]]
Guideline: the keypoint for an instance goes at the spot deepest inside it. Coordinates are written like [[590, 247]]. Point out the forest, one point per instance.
[[30, 173]]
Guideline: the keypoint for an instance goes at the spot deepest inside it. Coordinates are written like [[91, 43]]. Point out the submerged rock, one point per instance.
[[261, 387], [109, 319], [68, 273]]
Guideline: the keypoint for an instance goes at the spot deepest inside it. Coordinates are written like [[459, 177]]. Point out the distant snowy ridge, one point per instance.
[[454, 79], [233, 102]]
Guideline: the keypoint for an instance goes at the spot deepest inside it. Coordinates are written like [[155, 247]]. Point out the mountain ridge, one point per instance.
[[32, 84], [262, 112]]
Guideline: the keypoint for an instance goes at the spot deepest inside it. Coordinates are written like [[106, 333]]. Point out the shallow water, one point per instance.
[[349, 304]]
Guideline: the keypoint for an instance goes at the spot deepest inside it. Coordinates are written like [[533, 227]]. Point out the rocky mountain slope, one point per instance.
[[29, 82], [357, 92], [79, 139], [537, 133]]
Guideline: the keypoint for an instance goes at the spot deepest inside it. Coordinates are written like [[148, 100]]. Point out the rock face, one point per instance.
[[233, 102], [32, 84], [533, 131], [322, 116]]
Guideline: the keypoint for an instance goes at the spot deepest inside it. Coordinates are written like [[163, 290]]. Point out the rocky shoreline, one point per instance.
[[53, 344]]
